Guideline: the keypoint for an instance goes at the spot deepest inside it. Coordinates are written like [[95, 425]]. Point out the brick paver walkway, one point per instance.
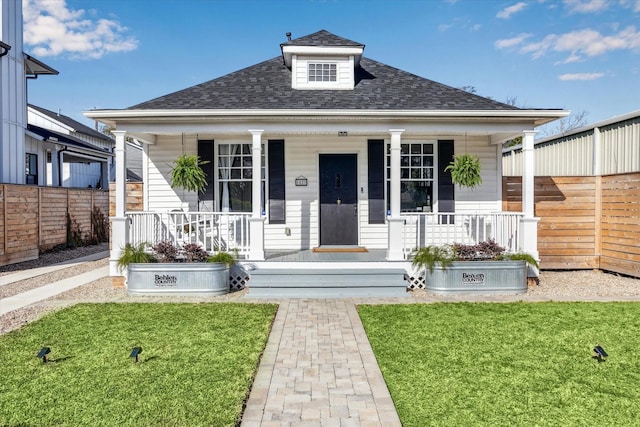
[[318, 369]]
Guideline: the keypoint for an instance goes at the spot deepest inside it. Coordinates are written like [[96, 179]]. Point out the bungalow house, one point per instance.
[[321, 148]]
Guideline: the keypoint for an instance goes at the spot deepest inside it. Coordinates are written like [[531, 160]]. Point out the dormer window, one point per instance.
[[322, 72]]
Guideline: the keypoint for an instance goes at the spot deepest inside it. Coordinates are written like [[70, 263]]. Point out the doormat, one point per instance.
[[340, 249]]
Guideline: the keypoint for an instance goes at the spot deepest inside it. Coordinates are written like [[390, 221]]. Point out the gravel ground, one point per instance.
[[583, 285]]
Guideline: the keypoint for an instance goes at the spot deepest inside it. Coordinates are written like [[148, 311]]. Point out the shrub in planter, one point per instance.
[[481, 267]]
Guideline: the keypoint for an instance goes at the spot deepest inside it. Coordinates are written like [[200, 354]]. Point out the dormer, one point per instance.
[[322, 61]]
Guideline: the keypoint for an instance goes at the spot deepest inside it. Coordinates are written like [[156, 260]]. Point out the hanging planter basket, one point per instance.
[[187, 174], [465, 170]]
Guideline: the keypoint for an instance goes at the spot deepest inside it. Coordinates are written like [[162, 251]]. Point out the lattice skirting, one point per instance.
[[238, 277], [415, 280]]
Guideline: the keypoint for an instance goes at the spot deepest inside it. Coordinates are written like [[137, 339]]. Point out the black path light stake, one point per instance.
[[43, 354], [135, 353], [600, 354]]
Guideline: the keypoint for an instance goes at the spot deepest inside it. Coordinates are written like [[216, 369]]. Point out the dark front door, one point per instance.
[[338, 199]]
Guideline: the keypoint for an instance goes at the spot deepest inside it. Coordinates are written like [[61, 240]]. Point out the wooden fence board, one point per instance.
[[33, 219], [585, 222]]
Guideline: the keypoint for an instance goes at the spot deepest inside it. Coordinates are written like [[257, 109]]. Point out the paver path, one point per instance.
[[318, 369]]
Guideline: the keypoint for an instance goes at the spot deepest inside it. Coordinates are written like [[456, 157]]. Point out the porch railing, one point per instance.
[[214, 231], [424, 229]]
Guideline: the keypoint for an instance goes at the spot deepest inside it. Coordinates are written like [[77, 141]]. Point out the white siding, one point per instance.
[[344, 73], [487, 196], [161, 155]]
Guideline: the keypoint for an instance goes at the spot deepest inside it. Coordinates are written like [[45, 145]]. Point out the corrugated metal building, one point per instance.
[[607, 147]]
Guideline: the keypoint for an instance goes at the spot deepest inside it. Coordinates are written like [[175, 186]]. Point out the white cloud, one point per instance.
[[580, 76], [508, 11], [634, 4], [512, 42], [52, 29], [586, 6], [444, 27], [578, 44]]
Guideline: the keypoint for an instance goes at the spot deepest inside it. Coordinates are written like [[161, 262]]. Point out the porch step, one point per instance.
[[315, 282]]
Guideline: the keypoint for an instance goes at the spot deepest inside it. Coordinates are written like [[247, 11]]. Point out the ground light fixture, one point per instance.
[[599, 353], [135, 353], [43, 354]]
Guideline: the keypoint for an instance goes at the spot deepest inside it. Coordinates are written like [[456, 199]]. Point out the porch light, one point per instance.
[[43, 354], [135, 353], [599, 353]]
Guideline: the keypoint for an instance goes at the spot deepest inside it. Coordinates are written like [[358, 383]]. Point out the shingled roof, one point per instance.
[[267, 86], [321, 38]]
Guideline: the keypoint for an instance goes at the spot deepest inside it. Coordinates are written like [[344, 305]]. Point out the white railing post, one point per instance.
[[119, 222], [256, 223]]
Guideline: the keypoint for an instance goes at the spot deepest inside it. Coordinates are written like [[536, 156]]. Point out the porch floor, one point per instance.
[[307, 255]]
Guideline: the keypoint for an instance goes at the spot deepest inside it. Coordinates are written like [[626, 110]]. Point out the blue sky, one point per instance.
[[581, 55]]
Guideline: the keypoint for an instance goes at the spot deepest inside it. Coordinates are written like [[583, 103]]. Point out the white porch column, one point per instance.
[[256, 222], [55, 167], [528, 224], [119, 223], [395, 241]]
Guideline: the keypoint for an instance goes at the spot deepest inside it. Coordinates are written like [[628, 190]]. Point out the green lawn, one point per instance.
[[196, 367], [509, 364]]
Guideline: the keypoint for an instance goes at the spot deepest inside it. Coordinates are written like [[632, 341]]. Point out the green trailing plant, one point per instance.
[[521, 256], [465, 170], [187, 174], [223, 257], [135, 254], [429, 256]]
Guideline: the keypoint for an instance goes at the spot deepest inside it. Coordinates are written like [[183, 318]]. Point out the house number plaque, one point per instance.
[[301, 181]]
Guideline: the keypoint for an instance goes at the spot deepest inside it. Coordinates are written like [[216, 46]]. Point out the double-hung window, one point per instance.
[[235, 177], [416, 176]]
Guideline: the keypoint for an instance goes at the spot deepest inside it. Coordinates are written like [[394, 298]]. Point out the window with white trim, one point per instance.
[[235, 177], [417, 169], [322, 72]]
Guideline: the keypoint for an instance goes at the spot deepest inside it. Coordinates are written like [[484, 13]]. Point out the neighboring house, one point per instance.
[[63, 152], [607, 147], [16, 67], [321, 146]]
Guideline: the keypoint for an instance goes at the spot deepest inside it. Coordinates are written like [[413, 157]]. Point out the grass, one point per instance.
[[196, 367], [509, 364]]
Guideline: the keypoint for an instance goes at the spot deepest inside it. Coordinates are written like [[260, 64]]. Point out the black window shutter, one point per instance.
[[376, 181], [446, 188], [206, 154], [276, 182]]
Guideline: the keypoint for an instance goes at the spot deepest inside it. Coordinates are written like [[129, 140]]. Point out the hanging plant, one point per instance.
[[186, 173], [465, 170]]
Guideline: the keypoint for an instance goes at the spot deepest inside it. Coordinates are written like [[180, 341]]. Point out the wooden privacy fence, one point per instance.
[[585, 222], [34, 219]]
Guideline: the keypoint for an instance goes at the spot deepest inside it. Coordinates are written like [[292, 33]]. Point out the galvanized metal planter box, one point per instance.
[[180, 279], [463, 277]]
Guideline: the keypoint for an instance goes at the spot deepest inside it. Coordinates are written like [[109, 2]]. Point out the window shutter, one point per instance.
[[276, 182], [376, 181], [446, 188], [206, 154]]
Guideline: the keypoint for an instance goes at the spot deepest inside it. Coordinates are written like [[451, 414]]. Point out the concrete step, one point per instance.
[[309, 282]]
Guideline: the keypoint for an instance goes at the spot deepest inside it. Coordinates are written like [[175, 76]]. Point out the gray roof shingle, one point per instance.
[[321, 38], [267, 86], [75, 125]]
